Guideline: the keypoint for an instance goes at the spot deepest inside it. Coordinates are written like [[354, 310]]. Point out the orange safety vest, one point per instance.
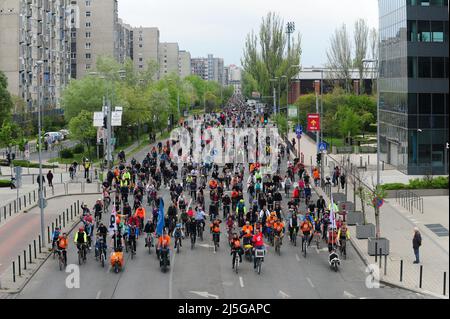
[[306, 227], [62, 243], [247, 230], [140, 212], [164, 240]]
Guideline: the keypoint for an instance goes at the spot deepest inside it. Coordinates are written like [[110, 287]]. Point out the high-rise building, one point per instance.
[[199, 66], [98, 34], [125, 41], [235, 78], [31, 32], [145, 46], [168, 58], [184, 64], [414, 86], [210, 68]]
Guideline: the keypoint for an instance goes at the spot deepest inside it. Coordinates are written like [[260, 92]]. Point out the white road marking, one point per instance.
[[348, 295], [283, 294], [310, 282], [204, 294], [297, 257], [241, 281], [317, 251], [98, 294]]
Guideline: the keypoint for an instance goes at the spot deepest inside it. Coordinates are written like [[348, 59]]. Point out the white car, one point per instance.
[[55, 136], [64, 132]]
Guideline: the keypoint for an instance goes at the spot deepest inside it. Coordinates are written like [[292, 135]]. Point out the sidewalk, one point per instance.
[[397, 225]]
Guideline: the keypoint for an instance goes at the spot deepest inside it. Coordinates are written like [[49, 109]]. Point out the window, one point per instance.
[[88, 66], [412, 31], [425, 103], [88, 24], [412, 103], [88, 3], [88, 45], [73, 55], [88, 34], [424, 67], [438, 67], [438, 104], [412, 67], [88, 13], [140, 59], [88, 55], [424, 34], [140, 45], [437, 31]]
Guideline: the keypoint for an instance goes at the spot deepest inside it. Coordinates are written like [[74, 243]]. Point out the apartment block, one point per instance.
[[125, 48], [209, 68], [168, 58], [145, 46], [199, 66], [32, 31], [184, 64]]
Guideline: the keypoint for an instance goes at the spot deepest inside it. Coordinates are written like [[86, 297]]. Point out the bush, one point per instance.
[[425, 183], [23, 163], [78, 149], [66, 153], [4, 183]]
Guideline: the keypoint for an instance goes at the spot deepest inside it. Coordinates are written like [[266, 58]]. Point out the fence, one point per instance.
[[39, 243], [409, 200], [30, 199]]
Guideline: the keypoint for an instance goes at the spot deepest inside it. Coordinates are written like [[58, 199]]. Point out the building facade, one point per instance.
[[414, 86], [145, 46], [168, 58], [184, 64], [209, 68], [32, 31], [199, 67]]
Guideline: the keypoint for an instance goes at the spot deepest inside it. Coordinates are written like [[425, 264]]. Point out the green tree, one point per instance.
[[6, 103], [82, 130], [265, 55], [349, 122], [10, 134]]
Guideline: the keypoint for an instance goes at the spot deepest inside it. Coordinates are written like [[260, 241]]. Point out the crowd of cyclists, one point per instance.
[[275, 203]]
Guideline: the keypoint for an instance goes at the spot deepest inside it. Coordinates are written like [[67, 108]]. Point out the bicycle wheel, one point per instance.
[[236, 264], [102, 259], [61, 263], [305, 245], [79, 257], [259, 266]]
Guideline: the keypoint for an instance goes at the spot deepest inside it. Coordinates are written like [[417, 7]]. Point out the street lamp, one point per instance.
[[274, 96], [38, 65], [279, 94]]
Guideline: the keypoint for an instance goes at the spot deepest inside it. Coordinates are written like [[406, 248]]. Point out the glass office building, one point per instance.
[[414, 86]]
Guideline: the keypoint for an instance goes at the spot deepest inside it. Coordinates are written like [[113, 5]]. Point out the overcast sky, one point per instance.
[[220, 26]]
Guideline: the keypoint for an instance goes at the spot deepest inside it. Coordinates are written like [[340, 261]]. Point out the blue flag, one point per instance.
[[160, 225]]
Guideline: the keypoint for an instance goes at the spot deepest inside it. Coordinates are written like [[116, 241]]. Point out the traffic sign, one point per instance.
[[18, 173], [313, 122], [299, 130], [378, 202], [322, 147], [42, 203], [116, 118], [98, 119]]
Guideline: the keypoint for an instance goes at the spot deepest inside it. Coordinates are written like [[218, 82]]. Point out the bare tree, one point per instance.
[[339, 56], [361, 38]]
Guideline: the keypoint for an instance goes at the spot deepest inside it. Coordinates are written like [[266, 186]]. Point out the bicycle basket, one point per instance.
[[260, 253]]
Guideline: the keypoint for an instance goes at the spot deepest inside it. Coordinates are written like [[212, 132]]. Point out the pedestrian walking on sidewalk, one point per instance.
[[50, 178], [417, 242]]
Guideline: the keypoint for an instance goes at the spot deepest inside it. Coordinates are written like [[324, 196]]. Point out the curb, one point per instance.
[[383, 281], [27, 280]]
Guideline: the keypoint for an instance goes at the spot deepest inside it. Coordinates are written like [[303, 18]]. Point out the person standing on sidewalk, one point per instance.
[[417, 242], [87, 166], [50, 178]]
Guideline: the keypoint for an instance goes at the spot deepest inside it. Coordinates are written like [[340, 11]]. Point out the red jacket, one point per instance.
[[296, 193], [258, 240]]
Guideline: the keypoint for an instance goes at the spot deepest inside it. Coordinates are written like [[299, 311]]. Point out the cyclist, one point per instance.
[[247, 233], [80, 239], [200, 217], [55, 236], [278, 228], [178, 234], [269, 224], [149, 229], [103, 231], [100, 244], [343, 234], [317, 227], [258, 243], [306, 227], [132, 234], [140, 215], [98, 208], [332, 239], [236, 248], [241, 211], [215, 230], [163, 243], [293, 224], [62, 242]]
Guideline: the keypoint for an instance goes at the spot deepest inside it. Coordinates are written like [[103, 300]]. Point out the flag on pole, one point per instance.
[[160, 225], [332, 216]]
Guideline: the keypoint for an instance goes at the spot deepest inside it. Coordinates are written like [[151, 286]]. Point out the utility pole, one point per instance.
[[109, 146], [41, 184], [274, 100]]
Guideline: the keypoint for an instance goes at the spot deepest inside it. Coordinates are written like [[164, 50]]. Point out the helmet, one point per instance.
[[273, 214], [81, 229], [242, 201]]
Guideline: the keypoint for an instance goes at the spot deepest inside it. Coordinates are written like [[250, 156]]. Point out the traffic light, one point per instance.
[[319, 158], [105, 122], [266, 118]]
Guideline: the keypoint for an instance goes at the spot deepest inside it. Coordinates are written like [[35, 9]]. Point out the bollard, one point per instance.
[[64, 219], [61, 177], [40, 246], [10, 208], [14, 271], [29, 253], [382, 166], [34, 244], [445, 282], [385, 264], [25, 201], [45, 192], [53, 227], [67, 214], [34, 196], [360, 161], [59, 220], [48, 233], [25, 260], [368, 160], [420, 279], [376, 251], [29, 198], [380, 257], [20, 271], [20, 204], [71, 214], [78, 206]]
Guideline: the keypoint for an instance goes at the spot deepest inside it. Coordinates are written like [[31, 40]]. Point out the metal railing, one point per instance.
[[409, 200]]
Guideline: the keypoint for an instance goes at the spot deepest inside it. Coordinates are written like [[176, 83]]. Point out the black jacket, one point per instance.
[[417, 240]]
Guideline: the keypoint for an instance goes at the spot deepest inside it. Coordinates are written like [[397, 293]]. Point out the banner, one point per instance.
[[313, 122], [292, 111]]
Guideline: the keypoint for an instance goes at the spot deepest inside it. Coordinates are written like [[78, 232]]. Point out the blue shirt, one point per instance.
[[200, 215]]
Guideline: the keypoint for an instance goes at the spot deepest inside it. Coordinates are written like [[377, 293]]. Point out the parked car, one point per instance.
[[55, 136], [64, 132]]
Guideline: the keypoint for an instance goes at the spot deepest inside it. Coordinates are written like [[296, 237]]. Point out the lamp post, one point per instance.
[[274, 96], [377, 209], [279, 94], [38, 65]]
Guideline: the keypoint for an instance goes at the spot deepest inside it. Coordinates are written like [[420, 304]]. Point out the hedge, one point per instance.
[[4, 183], [23, 163], [440, 182]]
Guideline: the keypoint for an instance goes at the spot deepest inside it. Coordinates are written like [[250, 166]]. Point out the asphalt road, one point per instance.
[[201, 273]]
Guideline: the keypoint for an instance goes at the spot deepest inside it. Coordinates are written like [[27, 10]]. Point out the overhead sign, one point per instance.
[[292, 111], [116, 118], [98, 119], [313, 122]]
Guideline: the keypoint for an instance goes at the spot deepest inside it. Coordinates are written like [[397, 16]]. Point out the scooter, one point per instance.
[[334, 261]]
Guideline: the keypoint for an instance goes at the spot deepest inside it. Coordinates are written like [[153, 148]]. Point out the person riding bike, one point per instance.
[[343, 233], [200, 217], [215, 230], [149, 229], [332, 239], [247, 233], [178, 234], [80, 238], [269, 223], [278, 228], [236, 248], [241, 211], [98, 208], [132, 234], [258, 243], [61, 243], [55, 236], [306, 227], [163, 243], [293, 224], [100, 244]]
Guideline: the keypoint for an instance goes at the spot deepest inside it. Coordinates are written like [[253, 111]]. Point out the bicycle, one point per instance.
[[61, 260], [200, 231], [305, 244], [294, 237], [236, 261], [82, 254], [132, 246], [216, 240], [277, 244], [259, 255], [149, 242], [317, 239]]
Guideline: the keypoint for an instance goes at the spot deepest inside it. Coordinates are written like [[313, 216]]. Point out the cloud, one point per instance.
[[220, 26]]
